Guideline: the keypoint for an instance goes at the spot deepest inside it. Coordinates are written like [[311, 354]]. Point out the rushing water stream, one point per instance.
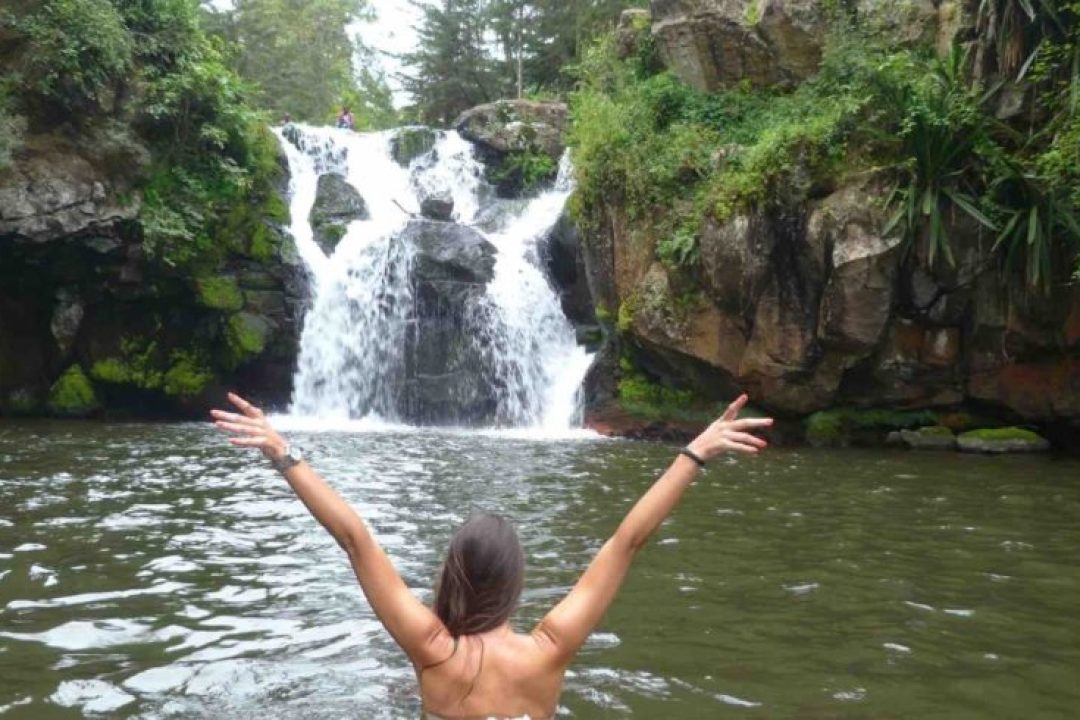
[[152, 571], [353, 359]]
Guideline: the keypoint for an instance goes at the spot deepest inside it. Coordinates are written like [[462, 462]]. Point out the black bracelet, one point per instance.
[[693, 456]]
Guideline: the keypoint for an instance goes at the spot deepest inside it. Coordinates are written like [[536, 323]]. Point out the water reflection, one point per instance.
[[151, 571]]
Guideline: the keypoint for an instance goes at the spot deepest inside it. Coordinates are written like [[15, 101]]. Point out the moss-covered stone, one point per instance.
[[188, 376], [219, 292], [1002, 440], [410, 143], [846, 426], [136, 367], [247, 335], [72, 395]]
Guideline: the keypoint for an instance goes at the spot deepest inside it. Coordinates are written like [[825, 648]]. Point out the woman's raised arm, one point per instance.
[[566, 627], [413, 625]]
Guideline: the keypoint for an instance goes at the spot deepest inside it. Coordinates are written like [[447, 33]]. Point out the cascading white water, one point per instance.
[[352, 361]]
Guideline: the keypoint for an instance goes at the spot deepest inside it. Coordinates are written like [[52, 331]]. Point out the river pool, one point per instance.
[[153, 571]]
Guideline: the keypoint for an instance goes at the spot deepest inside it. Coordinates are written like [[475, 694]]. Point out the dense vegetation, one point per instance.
[[456, 65], [138, 73], [675, 156]]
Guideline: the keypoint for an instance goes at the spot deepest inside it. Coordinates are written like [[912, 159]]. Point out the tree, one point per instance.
[[301, 57], [452, 67]]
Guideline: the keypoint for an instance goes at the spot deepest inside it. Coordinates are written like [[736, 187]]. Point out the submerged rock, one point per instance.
[[1002, 440], [929, 438], [438, 206]]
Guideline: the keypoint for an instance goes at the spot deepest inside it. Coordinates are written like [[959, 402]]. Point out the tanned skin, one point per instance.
[[500, 672]]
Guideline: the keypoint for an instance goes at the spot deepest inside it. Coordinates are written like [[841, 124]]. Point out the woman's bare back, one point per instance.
[[499, 670]]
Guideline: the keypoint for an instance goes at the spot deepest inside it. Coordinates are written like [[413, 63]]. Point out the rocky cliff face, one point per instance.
[[710, 44], [90, 323], [805, 303]]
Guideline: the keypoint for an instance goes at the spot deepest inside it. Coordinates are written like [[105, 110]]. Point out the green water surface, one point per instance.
[[152, 571]]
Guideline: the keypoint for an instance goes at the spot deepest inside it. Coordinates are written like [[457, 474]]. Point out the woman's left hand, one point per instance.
[[251, 428]]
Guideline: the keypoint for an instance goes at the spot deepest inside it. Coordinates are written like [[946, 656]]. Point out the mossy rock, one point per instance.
[[1002, 440], [410, 143], [248, 335], [187, 377], [934, 437], [849, 426], [220, 292], [72, 395]]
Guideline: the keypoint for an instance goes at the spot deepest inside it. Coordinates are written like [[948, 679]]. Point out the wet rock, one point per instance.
[[409, 143], [337, 203], [929, 438], [1002, 440], [451, 252], [561, 255], [438, 206], [444, 382]]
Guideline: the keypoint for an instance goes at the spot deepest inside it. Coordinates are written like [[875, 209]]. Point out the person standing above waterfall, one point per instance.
[[346, 120], [469, 662]]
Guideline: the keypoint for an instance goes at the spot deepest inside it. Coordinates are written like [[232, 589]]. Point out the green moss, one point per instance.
[[625, 322], [247, 335], [188, 376], [753, 12], [935, 431], [411, 143], [840, 426], [219, 292], [137, 365], [1000, 434], [72, 395], [603, 315]]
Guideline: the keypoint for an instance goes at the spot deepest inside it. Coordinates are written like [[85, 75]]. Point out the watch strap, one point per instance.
[[693, 456]]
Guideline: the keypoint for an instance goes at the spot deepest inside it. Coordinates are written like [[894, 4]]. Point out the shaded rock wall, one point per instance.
[[80, 299]]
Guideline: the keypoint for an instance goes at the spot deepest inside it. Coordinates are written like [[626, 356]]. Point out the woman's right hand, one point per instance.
[[730, 434]]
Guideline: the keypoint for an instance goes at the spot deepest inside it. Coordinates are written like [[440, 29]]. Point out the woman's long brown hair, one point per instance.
[[482, 578]]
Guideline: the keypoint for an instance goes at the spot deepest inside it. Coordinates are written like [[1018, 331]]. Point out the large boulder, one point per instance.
[[337, 203], [444, 378], [510, 126]]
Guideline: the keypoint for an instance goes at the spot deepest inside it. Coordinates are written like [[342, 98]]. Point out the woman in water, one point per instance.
[[468, 660]]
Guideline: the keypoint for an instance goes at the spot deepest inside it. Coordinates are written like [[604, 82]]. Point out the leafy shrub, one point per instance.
[[78, 50]]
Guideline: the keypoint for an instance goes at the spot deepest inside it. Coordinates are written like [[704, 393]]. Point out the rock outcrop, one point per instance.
[[810, 307], [710, 44], [90, 322]]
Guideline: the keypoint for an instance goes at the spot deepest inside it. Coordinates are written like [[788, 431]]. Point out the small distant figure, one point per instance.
[[286, 119], [346, 119]]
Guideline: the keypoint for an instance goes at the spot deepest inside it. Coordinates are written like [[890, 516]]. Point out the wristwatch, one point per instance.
[[293, 456]]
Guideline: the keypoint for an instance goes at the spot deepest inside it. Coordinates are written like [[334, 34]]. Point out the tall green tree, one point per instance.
[[453, 67], [301, 57]]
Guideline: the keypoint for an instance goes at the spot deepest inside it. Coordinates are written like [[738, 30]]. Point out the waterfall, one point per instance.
[[504, 353]]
